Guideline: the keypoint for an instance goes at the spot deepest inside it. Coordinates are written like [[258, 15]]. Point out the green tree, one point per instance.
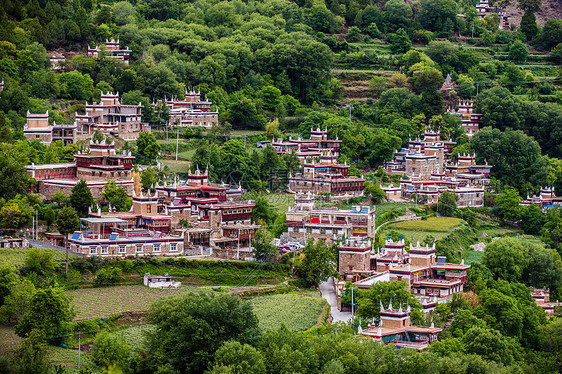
[[447, 204], [67, 222], [49, 312], [117, 196], [263, 211], [16, 303], [533, 219], [395, 292], [191, 328], [60, 198], [528, 25], [508, 202], [556, 54], [149, 177], [318, 264], [147, 146], [489, 344], [516, 157], [551, 33], [518, 51], [353, 34], [435, 14], [32, 355], [81, 197], [399, 42], [263, 247], [507, 259], [49, 216], [8, 278], [111, 350], [39, 262], [238, 358], [374, 192]]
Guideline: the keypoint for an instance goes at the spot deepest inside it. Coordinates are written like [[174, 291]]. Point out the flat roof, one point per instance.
[[103, 220]]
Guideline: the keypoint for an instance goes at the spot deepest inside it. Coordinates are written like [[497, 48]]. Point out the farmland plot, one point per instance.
[[297, 312]]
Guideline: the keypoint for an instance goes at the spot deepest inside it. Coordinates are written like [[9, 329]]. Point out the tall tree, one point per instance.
[[49, 312], [67, 223], [447, 204], [147, 147], [117, 196], [81, 197], [192, 327], [318, 264]]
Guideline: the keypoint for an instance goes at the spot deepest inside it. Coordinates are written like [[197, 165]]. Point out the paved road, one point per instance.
[[329, 293]]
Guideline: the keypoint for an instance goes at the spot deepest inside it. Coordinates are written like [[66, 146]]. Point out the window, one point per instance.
[[93, 250], [103, 250], [156, 247], [148, 208], [139, 248], [122, 249], [173, 247]]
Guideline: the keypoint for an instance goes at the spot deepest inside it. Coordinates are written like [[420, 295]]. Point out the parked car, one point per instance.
[[284, 249], [294, 245]]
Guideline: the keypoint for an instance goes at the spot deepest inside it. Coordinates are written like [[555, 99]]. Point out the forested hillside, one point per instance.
[[376, 75]]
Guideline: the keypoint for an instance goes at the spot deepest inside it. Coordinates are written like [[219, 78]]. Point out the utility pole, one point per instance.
[[37, 225], [352, 303], [177, 141], [33, 227], [79, 348]]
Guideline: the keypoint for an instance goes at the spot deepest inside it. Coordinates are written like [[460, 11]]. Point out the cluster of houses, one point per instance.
[[174, 218], [112, 118], [426, 172], [429, 277], [322, 174]]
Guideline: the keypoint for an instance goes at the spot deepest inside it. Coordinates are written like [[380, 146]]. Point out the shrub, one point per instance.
[[107, 277]]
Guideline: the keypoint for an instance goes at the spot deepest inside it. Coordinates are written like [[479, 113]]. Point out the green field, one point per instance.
[[180, 166], [297, 312], [92, 303], [68, 358], [135, 335], [16, 256], [438, 227], [433, 224]]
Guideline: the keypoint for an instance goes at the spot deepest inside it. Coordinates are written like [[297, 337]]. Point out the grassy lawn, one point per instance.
[[16, 256], [99, 302], [186, 155], [180, 166], [297, 312], [473, 257], [282, 201]]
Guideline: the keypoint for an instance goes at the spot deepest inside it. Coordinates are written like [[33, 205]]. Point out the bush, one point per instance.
[[107, 277]]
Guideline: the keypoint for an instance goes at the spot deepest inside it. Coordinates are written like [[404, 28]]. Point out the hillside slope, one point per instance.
[[549, 9]]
